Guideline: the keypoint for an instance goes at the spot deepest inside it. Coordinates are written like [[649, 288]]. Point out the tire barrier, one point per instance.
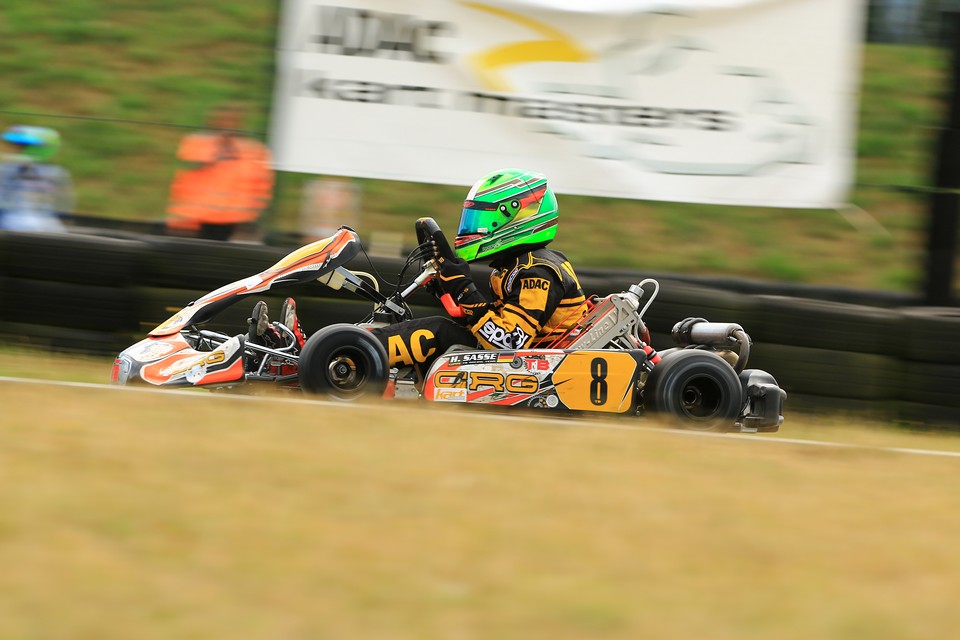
[[69, 305], [930, 334], [869, 298], [661, 341], [929, 383], [829, 373], [47, 338], [678, 300], [202, 264], [927, 415], [826, 325], [882, 357], [844, 409], [93, 260]]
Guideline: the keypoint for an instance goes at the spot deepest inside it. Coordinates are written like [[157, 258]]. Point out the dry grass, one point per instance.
[[48, 365], [129, 515]]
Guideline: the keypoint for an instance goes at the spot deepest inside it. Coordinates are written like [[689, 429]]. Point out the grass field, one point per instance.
[[135, 515], [171, 61]]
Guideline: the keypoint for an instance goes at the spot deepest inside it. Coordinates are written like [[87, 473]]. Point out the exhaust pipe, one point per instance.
[[697, 331]]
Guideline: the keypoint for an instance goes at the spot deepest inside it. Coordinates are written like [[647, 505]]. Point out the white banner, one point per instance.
[[714, 101]]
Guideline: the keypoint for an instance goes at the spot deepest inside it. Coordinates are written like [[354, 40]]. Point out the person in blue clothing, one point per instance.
[[32, 190]]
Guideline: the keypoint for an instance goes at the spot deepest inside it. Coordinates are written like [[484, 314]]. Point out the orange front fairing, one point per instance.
[[198, 368], [303, 265]]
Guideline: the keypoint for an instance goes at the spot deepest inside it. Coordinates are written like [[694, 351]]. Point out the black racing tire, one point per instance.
[[694, 389], [344, 363]]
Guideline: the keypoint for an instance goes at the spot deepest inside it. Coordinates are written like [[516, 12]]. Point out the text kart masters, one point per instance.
[[604, 364]]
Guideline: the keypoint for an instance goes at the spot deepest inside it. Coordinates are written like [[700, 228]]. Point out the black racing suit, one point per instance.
[[536, 300]]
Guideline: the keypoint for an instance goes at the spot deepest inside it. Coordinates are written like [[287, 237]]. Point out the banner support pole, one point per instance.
[[944, 204]]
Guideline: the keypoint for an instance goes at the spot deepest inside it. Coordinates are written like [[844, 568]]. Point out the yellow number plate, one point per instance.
[[596, 381]]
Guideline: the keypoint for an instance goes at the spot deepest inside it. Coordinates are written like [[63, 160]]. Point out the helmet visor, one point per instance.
[[477, 218]]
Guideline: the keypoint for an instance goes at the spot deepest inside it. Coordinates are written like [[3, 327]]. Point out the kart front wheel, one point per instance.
[[694, 389], [343, 362]]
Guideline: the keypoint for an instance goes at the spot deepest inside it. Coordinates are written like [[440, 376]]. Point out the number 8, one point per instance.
[[598, 385]]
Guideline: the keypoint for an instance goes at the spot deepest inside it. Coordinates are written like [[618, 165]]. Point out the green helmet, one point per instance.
[[506, 209], [38, 143]]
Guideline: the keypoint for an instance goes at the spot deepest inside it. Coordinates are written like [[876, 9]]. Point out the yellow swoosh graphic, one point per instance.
[[555, 47]]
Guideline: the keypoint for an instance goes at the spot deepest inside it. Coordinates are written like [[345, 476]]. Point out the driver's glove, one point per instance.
[[454, 278]]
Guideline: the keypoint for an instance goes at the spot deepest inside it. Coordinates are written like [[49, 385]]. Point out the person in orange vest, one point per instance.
[[227, 183]]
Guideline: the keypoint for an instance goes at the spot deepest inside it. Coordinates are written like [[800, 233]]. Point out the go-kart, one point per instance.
[[604, 364]]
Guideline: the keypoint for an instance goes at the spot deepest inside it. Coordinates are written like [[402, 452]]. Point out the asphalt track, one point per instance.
[[491, 417]]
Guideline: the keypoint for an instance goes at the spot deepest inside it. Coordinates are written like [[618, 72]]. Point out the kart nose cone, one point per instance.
[[121, 370]]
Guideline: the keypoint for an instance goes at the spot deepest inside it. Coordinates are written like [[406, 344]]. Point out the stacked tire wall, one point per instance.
[[882, 356]]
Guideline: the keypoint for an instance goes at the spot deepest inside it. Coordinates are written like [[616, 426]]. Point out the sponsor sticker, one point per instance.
[[537, 363], [539, 284], [496, 336], [450, 395], [149, 350], [483, 357], [196, 373], [192, 364]]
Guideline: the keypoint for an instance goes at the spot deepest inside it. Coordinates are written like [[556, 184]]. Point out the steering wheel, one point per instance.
[[429, 231]]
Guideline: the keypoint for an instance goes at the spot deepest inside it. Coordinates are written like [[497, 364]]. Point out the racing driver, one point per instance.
[[509, 217]]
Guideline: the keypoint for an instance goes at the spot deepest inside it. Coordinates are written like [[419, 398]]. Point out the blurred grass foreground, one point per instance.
[[222, 518], [173, 61]]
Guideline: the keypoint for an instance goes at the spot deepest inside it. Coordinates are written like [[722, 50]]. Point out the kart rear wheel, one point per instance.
[[343, 362], [694, 389]]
